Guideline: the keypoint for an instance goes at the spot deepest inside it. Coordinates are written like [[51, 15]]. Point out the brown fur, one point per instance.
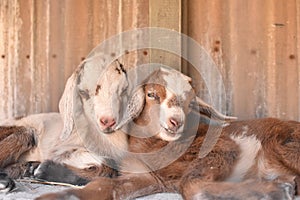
[[14, 141], [21, 169]]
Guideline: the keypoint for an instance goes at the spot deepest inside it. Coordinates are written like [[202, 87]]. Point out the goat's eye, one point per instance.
[[152, 95]]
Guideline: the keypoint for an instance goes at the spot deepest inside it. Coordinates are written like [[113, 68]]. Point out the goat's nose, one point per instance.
[[174, 124], [107, 122]]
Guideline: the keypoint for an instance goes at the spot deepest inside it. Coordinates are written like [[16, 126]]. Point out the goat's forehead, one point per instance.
[[177, 84], [155, 87], [112, 73]]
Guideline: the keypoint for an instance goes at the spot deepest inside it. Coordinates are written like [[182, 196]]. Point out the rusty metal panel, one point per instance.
[[255, 45], [42, 41]]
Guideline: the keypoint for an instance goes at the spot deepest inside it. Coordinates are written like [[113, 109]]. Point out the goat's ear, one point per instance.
[[198, 105], [66, 107], [135, 106], [70, 102]]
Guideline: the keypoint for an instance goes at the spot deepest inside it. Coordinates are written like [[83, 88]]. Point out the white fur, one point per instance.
[[177, 83], [48, 127], [108, 101], [166, 113], [249, 146], [83, 159]]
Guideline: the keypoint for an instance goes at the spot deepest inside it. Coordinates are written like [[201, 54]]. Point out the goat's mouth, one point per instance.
[[169, 134], [109, 130]]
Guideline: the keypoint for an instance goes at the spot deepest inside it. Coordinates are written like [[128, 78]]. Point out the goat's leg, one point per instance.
[[249, 189], [124, 187], [5, 131], [21, 169], [16, 170], [58, 172], [204, 179], [285, 147], [216, 166], [14, 142]]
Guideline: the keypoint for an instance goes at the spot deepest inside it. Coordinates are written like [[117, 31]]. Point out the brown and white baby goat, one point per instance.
[[264, 152]]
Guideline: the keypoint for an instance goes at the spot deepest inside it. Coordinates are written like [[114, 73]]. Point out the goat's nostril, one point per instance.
[[107, 122], [174, 122]]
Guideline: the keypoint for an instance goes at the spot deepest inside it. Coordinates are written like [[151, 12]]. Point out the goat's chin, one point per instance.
[[107, 130], [168, 135]]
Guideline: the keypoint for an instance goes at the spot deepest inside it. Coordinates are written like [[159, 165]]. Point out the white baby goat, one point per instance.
[[89, 109]]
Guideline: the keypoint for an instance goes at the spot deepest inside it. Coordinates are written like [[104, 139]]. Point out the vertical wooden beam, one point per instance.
[[165, 14]]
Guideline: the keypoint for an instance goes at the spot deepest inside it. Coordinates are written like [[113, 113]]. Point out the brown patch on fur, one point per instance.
[[159, 93], [118, 70], [97, 89], [173, 101], [14, 141]]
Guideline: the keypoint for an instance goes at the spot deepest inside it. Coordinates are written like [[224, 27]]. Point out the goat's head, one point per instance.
[[165, 99], [93, 92], [108, 97]]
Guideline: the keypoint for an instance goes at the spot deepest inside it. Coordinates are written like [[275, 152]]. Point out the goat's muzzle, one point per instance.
[[107, 124]]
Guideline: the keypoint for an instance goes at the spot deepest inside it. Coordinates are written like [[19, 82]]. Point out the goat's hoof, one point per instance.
[[6, 183]]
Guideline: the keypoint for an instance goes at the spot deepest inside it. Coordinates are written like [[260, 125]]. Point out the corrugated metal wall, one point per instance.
[[255, 44]]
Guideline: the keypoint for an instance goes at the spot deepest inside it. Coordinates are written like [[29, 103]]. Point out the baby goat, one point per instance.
[[60, 138], [252, 159], [159, 108]]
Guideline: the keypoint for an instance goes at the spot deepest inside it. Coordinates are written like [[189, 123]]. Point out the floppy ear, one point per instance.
[[69, 101], [198, 105], [66, 107], [135, 106]]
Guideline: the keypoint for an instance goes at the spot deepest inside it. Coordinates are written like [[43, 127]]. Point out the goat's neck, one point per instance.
[[143, 133], [143, 119], [149, 124]]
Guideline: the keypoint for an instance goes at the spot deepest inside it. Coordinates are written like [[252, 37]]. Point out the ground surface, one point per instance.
[[29, 191]]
